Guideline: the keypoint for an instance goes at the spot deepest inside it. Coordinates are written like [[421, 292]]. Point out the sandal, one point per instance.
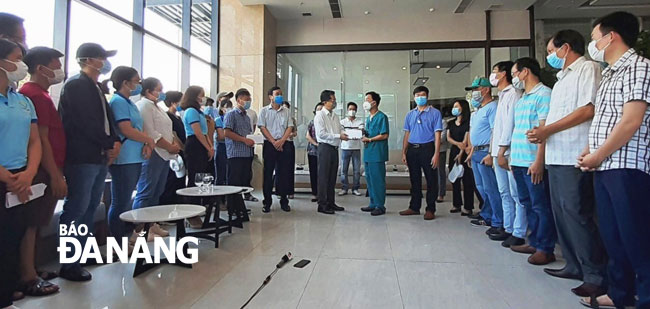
[[592, 302], [38, 287], [249, 197], [47, 275]]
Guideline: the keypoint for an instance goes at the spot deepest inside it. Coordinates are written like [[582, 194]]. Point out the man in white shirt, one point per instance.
[[566, 132], [329, 137], [514, 214], [351, 151], [276, 126]]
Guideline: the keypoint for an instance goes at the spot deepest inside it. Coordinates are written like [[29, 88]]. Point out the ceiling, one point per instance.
[[293, 9], [561, 9]]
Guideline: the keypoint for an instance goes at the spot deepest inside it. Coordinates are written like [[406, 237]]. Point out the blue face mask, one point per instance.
[[455, 111], [137, 90], [106, 68], [278, 99], [421, 101], [247, 105], [554, 61], [476, 104], [179, 108], [162, 96]]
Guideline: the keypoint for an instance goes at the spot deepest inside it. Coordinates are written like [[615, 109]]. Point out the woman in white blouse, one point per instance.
[[159, 127]]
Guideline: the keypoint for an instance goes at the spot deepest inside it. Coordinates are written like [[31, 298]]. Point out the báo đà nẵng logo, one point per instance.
[[168, 248]]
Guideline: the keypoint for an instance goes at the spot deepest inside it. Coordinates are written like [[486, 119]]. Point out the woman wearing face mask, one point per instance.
[[312, 154], [198, 147], [157, 126], [220, 159], [136, 147], [457, 135], [20, 156], [173, 102]]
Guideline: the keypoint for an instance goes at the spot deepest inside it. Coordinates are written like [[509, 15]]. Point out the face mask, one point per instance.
[[494, 81], [475, 103], [106, 68], [137, 90], [554, 61], [59, 75], [228, 109], [162, 96], [278, 99], [595, 53], [352, 113], [17, 75], [477, 96], [204, 101], [367, 106], [421, 101], [455, 111], [178, 108], [518, 83], [247, 105]]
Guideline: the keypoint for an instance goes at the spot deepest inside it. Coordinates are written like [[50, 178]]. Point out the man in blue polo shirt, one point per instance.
[[480, 136], [422, 130]]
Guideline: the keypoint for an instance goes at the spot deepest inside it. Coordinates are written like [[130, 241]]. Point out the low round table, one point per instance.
[[167, 213], [208, 198]]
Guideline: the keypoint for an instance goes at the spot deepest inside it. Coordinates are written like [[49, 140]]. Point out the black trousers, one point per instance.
[[328, 164], [466, 198], [196, 159], [418, 160], [313, 174], [276, 161], [239, 174], [173, 183]]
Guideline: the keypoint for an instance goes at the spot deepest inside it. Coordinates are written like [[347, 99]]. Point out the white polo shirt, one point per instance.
[[347, 123]]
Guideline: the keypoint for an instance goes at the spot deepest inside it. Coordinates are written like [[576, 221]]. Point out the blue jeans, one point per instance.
[[151, 184], [376, 179], [220, 164], [514, 213], [536, 200], [124, 178], [355, 155], [85, 189], [486, 183], [622, 197]]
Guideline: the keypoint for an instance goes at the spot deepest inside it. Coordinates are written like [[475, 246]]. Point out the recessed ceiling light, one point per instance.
[[431, 9], [367, 68], [334, 68], [437, 67], [397, 81], [403, 68], [367, 81], [366, 12]]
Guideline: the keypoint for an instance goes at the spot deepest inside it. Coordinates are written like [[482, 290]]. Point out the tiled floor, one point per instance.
[[358, 261]]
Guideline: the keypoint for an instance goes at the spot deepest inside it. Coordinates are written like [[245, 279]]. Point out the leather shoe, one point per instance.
[[367, 209], [75, 273], [429, 215], [588, 289], [475, 217], [378, 212], [526, 249], [500, 236], [326, 211], [286, 207], [562, 273], [336, 207], [513, 241], [492, 230], [266, 209], [409, 212], [541, 258]]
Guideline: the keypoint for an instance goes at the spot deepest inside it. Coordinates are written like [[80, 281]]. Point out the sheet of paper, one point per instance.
[[353, 133], [38, 190], [259, 139]]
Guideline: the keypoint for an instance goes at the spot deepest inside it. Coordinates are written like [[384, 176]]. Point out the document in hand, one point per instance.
[[38, 190]]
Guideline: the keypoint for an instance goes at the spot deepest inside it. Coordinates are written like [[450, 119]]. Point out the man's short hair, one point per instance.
[[571, 37], [242, 92], [326, 95], [375, 96], [274, 88], [505, 66], [623, 23], [529, 63], [8, 24], [40, 56], [420, 89], [356, 107]]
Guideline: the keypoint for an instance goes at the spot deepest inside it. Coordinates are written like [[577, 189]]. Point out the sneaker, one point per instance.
[[479, 222], [513, 241], [343, 192], [356, 192], [367, 209], [378, 212]]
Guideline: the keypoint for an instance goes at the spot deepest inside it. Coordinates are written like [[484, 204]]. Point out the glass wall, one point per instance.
[[38, 24]]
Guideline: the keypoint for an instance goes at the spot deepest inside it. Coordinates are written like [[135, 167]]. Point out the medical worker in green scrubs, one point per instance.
[[375, 154]]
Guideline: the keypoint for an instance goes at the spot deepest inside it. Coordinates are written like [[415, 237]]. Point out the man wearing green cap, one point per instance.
[[480, 137]]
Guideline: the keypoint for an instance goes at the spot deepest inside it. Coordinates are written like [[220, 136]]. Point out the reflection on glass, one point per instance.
[[163, 62], [164, 20], [123, 8], [200, 74], [38, 23], [200, 29]]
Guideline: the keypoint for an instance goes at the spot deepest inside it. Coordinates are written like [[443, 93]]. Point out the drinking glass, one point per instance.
[[207, 181], [198, 181]]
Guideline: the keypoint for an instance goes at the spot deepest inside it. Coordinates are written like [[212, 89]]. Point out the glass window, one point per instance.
[[112, 35], [124, 8], [200, 74], [162, 62], [164, 20], [38, 24], [201, 25], [508, 53]]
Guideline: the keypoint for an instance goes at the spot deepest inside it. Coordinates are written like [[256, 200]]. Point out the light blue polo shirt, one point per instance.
[[376, 151], [529, 110], [192, 115], [482, 123], [17, 113], [423, 125], [125, 110]]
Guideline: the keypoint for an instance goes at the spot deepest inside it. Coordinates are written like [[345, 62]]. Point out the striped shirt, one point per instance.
[[529, 111], [505, 119], [238, 122], [576, 87], [627, 80], [275, 121]]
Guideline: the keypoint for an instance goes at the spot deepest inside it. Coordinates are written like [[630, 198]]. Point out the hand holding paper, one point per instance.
[[12, 200]]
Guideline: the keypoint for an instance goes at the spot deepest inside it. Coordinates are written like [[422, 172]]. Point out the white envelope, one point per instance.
[[259, 139], [38, 190], [353, 133]]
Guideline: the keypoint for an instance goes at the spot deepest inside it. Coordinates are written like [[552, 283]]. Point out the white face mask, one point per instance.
[[518, 83], [367, 106], [204, 101], [352, 113], [17, 75], [59, 75], [494, 81], [595, 53]]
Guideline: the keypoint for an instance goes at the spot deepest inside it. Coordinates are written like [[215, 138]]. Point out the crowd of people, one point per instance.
[[569, 164]]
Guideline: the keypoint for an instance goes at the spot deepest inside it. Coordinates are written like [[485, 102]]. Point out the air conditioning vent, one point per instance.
[[335, 7], [462, 6]]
